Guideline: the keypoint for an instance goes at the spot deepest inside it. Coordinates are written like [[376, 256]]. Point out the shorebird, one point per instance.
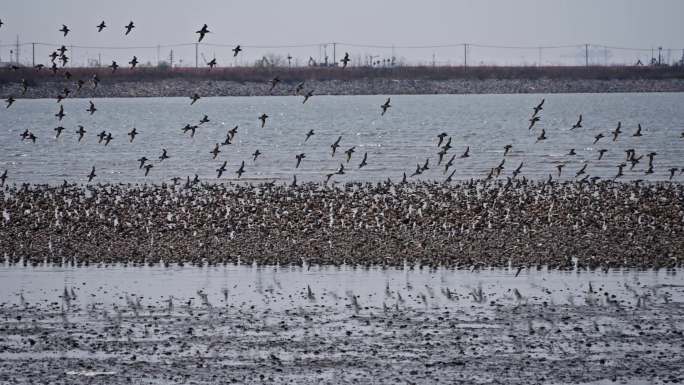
[[299, 88], [345, 60], [638, 131], [363, 161], [133, 62], [205, 119], [299, 159], [441, 138], [309, 134], [426, 165], [533, 121], [212, 63], [335, 145], [447, 146], [232, 132], [215, 151], [340, 171], [385, 107], [132, 134], [449, 163], [236, 50], [148, 167], [597, 138], [466, 153], [114, 66], [25, 134], [101, 26], [59, 131], [349, 153], [560, 169], [572, 152], [673, 170], [3, 178], [195, 97], [163, 155], [307, 96], [617, 131], [581, 171], [263, 118], [418, 171], [61, 113], [539, 107], [221, 169], [542, 136], [507, 148], [441, 156], [256, 154], [142, 162], [190, 128], [241, 170], [601, 152], [91, 175], [10, 100], [578, 124], [449, 178], [129, 27], [81, 131], [203, 31], [101, 136], [274, 83], [108, 138], [517, 170], [92, 108], [620, 167], [64, 30]]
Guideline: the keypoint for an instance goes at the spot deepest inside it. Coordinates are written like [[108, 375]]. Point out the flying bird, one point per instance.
[[163, 155], [335, 145], [263, 118], [533, 121], [539, 107], [205, 119], [64, 30], [212, 63], [221, 169], [299, 159], [101, 26], [241, 170], [541, 136], [61, 113], [363, 161], [91, 175], [236, 50], [132, 134], [349, 153], [215, 151], [133, 62], [10, 100], [59, 131], [114, 66], [256, 155], [81, 131], [307, 96], [466, 153], [638, 131], [597, 138], [385, 107], [345, 60], [148, 167], [92, 108], [507, 148], [578, 124], [441, 138], [195, 97], [309, 134], [601, 152], [142, 162], [617, 131], [203, 31], [129, 27]]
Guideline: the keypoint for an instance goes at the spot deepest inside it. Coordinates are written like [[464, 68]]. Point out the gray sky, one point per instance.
[[623, 23]]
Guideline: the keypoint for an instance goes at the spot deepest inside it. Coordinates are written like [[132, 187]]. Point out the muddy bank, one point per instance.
[[50, 88]]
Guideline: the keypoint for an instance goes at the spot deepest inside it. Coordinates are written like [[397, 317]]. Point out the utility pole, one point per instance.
[[158, 49], [16, 51], [465, 56], [171, 58], [586, 55], [196, 57], [33, 54], [334, 53], [539, 60]]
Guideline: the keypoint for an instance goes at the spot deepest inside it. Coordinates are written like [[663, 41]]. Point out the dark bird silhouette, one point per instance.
[[274, 83], [340, 171], [256, 155], [449, 164], [92, 108], [241, 170], [299, 159], [30, 136], [385, 107], [132, 134], [441, 156], [507, 148], [449, 178], [108, 138], [620, 167], [3, 178], [419, 170], [205, 119], [539, 107], [572, 152], [59, 131], [215, 151], [164, 155], [212, 63], [142, 162], [447, 146], [578, 124], [307, 96], [581, 171], [673, 170], [335, 145], [60, 98], [195, 97], [309, 134], [349, 153], [64, 30], [263, 118], [542, 136], [236, 50], [638, 131], [101, 26], [560, 169], [466, 153], [363, 161], [221, 169], [441, 138], [601, 152], [191, 128], [1, 23], [60, 115], [101, 136], [24, 86], [129, 27], [345, 60], [516, 172], [617, 131], [10, 100], [597, 138], [81, 131], [426, 165], [533, 121], [148, 167], [203, 31], [114, 66], [133, 62], [25, 134], [91, 175], [299, 88]]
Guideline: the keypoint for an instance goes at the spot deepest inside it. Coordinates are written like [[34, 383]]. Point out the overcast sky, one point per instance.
[[624, 23]]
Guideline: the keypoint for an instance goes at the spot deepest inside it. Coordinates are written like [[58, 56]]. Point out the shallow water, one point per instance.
[[395, 143]]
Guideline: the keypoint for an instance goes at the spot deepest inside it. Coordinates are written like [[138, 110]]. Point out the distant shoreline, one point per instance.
[[152, 82]]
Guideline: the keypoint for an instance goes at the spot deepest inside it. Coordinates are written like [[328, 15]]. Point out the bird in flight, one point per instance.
[[363, 161], [108, 138], [81, 131], [236, 50], [129, 27], [263, 118], [163, 155], [203, 31], [307, 96], [539, 107], [578, 124], [101, 26], [533, 121], [617, 131], [114, 66], [466, 153], [212, 63], [385, 107], [91, 175], [148, 167], [215, 151], [597, 138], [256, 155], [581, 171], [541, 136], [345, 60], [92, 108], [64, 30], [142, 162], [335, 145], [133, 62], [61, 113], [221, 170], [195, 97], [190, 128], [441, 138], [59, 131], [10, 100], [299, 159], [507, 148], [309, 134], [241, 170], [638, 131], [205, 119], [132, 134], [349, 153], [601, 152]]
